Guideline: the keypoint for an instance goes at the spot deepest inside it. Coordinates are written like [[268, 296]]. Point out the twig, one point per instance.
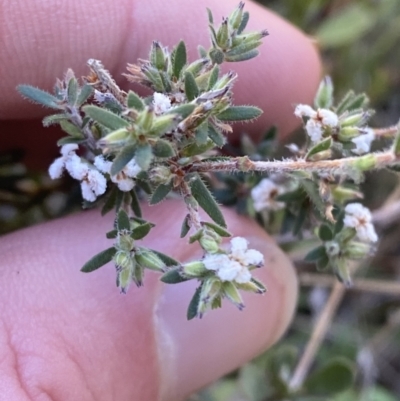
[[320, 329], [368, 285], [337, 166], [387, 132]]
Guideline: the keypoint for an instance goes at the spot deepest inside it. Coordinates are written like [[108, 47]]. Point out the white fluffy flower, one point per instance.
[[318, 120], [363, 142], [359, 217], [161, 103], [124, 179], [264, 194], [93, 183], [235, 265]]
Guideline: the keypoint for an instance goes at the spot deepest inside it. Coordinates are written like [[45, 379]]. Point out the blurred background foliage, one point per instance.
[[360, 357]]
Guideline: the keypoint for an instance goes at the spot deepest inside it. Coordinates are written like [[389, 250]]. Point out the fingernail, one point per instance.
[[196, 352]]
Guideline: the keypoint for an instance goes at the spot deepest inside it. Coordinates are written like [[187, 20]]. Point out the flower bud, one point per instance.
[[346, 134], [194, 269], [232, 293], [355, 119], [160, 175], [342, 194], [341, 270], [324, 96], [115, 138], [332, 248], [210, 295], [157, 56], [364, 163], [122, 260], [357, 250], [145, 118], [124, 279], [235, 18], [252, 286], [208, 243], [125, 242], [150, 260], [223, 37]]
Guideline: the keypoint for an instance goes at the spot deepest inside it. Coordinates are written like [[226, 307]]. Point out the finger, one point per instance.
[[70, 335], [41, 39]]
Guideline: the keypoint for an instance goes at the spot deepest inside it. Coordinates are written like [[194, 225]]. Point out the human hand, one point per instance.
[[68, 336]]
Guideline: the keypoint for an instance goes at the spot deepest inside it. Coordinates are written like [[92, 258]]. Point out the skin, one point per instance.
[[69, 336]]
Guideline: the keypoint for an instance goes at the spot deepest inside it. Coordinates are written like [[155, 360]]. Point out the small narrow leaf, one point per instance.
[[112, 234], [134, 101], [163, 148], [193, 149], [194, 305], [185, 226], [324, 96], [173, 277], [213, 78], [39, 96], [110, 201], [144, 156], [315, 254], [319, 147], [239, 113], [216, 136], [242, 56], [325, 233], [218, 229], [243, 23], [72, 91], [105, 117], [123, 220], [179, 59], [160, 193], [135, 204], [68, 140], [71, 129], [202, 194], [210, 16], [141, 231], [54, 119], [99, 260], [84, 94], [166, 259], [201, 133], [191, 89], [122, 159], [184, 110]]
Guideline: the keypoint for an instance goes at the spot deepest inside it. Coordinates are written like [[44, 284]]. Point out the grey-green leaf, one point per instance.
[[194, 305], [315, 254], [185, 226], [134, 101], [122, 159], [216, 136], [141, 231], [191, 88], [144, 156], [239, 113], [160, 193], [173, 276], [319, 147], [166, 259], [99, 260], [84, 94], [71, 129], [163, 148], [39, 96], [135, 204], [179, 59], [105, 117], [123, 220], [218, 229], [202, 194], [72, 91], [110, 202]]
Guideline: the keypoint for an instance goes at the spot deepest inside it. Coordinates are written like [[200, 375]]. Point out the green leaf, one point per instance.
[[173, 276], [122, 159], [123, 222], [84, 94], [202, 194], [201, 133], [346, 26], [324, 96], [325, 233], [243, 56], [184, 110], [213, 78], [110, 201], [163, 148], [202, 51], [105, 117], [144, 156], [336, 376], [72, 91], [99, 260], [134, 101], [135, 204], [323, 263], [319, 147], [160, 193], [68, 140], [71, 129], [193, 149], [218, 229], [185, 226], [312, 191], [243, 24], [166, 259], [54, 119], [315, 254], [39, 96], [141, 231], [178, 59], [191, 88], [194, 304], [210, 16], [112, 234], [239, 113], [216, 136]]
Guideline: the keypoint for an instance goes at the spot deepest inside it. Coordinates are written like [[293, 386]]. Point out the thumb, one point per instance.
[[72, 336]]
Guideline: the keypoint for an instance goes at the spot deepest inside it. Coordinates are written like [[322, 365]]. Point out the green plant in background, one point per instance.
[[132, 148]]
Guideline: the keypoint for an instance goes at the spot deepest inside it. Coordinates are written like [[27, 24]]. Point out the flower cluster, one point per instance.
[[235, 265], [124, 179], [93, 183], [359, 217], [318, 120], [363, 142], [264, 195]]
